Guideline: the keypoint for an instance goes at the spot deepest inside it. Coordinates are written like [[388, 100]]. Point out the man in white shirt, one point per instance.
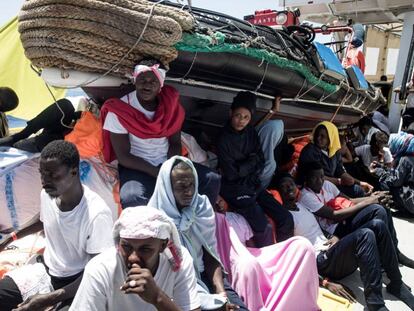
[[364, 131], [373, 159], [375, 151], [318, 197], [148, 270], [364, 248], [77, 225], [142, 130]]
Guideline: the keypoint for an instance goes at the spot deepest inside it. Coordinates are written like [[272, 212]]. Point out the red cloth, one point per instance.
[[355, 57], [168, 119], [339, 203]]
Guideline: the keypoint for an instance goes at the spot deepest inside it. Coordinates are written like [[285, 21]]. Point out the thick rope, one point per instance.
[[96, 27], [80, 41], [125, 7], [99, 35]]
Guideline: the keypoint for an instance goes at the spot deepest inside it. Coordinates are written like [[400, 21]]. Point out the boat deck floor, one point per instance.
[[404, 228]]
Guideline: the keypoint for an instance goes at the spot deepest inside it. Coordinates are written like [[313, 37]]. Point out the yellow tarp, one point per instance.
[[16, 73]]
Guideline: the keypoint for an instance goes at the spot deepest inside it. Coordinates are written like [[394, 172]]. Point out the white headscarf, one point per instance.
[[144, 222], [158, 72], [196, 221]]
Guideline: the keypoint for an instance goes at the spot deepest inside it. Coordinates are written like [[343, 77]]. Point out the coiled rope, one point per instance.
[[100, 35]]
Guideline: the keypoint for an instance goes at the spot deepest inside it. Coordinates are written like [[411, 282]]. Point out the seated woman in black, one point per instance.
[[241, 162], [325, 149]]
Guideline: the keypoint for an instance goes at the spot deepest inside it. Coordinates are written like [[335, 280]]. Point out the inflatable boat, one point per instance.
[[211, 56]]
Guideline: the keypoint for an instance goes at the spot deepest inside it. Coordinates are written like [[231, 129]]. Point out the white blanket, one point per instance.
[[20, 189], [11, 157]]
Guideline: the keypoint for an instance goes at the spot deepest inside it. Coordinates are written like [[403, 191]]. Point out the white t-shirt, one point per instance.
[[305, 225], [152, 150], [106, 273], [72, 237], [240, 226], [314, 201], [364, 152], [367, 139]]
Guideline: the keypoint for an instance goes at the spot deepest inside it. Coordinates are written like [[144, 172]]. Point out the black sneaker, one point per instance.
[[377, 307]]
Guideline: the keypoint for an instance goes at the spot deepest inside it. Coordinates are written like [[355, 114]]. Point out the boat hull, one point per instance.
[[207, 108]]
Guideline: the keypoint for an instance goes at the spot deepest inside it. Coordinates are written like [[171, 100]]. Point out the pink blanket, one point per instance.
[[282, 276]]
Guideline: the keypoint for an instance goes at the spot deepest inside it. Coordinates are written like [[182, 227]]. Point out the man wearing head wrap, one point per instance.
[[325, 149], [142, 130], [147, 270], [242, 162], [176, 194]]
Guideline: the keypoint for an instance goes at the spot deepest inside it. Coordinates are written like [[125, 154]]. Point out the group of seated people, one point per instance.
[[381, 159], [176, 245]]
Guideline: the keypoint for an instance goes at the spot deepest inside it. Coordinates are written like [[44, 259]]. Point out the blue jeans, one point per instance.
[[354, 191], [270, 135], [359, 220], [136, 187]]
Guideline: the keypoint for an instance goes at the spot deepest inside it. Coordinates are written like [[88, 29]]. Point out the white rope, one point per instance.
[[263, 77], [345, 99], [337, 89], [356, 101], [301, 88], [191, 66], [61, 110], [311, 88]]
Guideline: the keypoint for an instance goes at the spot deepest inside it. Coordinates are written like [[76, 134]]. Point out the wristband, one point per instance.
[[270, 111], [13, 236]]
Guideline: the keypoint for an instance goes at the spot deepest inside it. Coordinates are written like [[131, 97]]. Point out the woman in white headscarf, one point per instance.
[[176, 194], [147, 270]]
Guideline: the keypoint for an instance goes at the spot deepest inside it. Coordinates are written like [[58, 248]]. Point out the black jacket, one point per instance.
[[240, 157], [332, 167]]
